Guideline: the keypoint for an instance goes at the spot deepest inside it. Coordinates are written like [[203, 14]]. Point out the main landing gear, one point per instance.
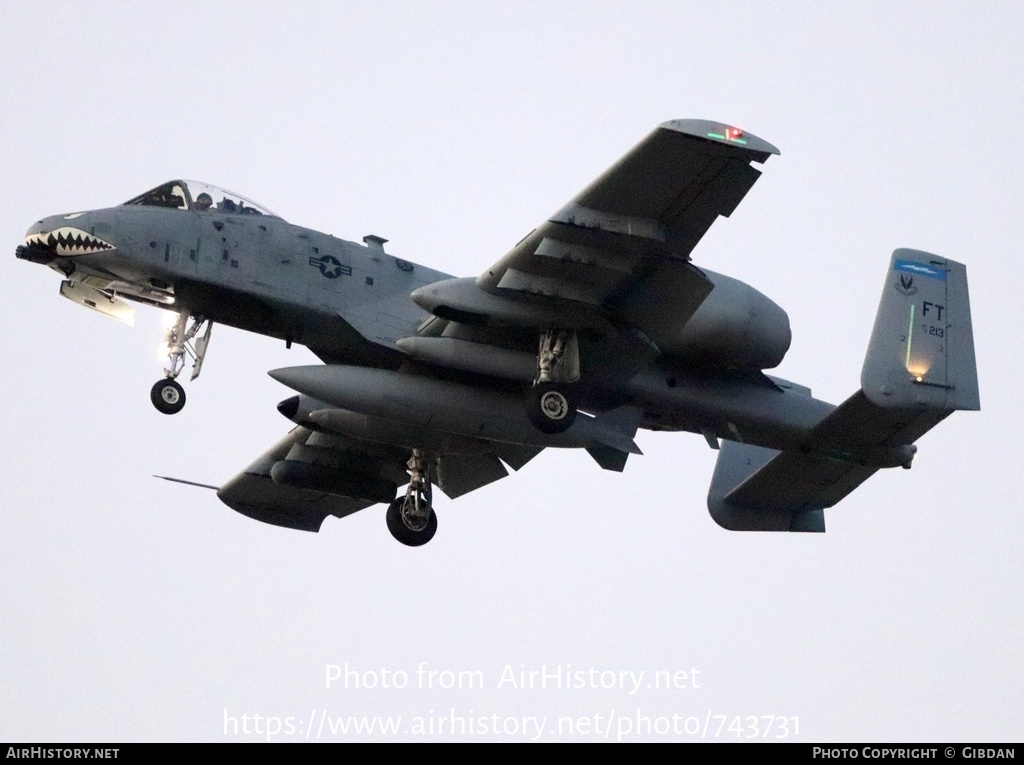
[[551, 406], [411, 518], [167, 394]]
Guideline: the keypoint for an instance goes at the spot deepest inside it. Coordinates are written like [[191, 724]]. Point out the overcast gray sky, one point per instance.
[[134, 609]]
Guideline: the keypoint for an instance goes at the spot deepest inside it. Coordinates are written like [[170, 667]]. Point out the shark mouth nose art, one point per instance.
[[68, 240]]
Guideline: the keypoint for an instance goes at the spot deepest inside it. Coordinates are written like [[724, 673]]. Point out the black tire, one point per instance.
[[167, 396], [551, 408], [401, 531]]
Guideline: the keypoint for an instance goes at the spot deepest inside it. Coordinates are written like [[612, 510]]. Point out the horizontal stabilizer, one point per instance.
[[862, 432], [760, 489], [763, 489]]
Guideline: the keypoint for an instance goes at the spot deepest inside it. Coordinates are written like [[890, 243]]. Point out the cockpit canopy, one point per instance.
[[199, 197]]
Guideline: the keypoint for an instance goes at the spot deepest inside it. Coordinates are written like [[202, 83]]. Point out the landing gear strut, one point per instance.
[[167, 395], [551, 406], [411, 518]]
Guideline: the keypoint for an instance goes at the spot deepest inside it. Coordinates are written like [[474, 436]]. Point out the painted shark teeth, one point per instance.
[[68, 240]]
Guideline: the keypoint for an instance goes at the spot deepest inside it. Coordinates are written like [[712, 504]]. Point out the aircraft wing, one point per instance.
[[309, 475], [254, 493], [624, 242]]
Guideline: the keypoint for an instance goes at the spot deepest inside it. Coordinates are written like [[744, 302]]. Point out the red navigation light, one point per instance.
[[733, 132]]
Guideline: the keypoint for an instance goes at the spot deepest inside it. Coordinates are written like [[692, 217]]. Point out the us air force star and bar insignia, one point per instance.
[[330, 266]]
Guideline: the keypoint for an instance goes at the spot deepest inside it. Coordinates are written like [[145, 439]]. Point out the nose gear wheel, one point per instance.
[[167, 396]]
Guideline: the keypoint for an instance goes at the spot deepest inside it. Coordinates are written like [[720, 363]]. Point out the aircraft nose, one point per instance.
[[37, 227], [41, 227], [57, 236], [35, 248]]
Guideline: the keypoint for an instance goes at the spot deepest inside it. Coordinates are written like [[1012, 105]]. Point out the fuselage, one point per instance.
[[236, 263], [252, 271]]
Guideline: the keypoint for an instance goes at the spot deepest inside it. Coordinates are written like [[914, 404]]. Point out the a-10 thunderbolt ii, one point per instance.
[[430, 380]]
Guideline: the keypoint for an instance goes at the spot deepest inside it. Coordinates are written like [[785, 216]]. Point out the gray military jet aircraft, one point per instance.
[[595, 324]]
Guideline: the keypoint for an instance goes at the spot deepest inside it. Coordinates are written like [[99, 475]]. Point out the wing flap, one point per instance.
[[459, 474], [516, 455]]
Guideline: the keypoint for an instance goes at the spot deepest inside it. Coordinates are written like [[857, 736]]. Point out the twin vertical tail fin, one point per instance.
[[919, 369]]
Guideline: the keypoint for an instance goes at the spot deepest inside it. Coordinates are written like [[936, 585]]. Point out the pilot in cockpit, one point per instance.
[[203, 202]]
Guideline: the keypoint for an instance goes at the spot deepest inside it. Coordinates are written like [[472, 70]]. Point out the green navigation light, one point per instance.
[[731, 134]]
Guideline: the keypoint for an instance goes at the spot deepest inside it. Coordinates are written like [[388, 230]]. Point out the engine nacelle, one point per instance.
[[736, 326]]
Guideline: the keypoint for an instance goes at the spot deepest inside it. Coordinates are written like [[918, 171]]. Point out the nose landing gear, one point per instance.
[[411, 518], [167, 394]]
